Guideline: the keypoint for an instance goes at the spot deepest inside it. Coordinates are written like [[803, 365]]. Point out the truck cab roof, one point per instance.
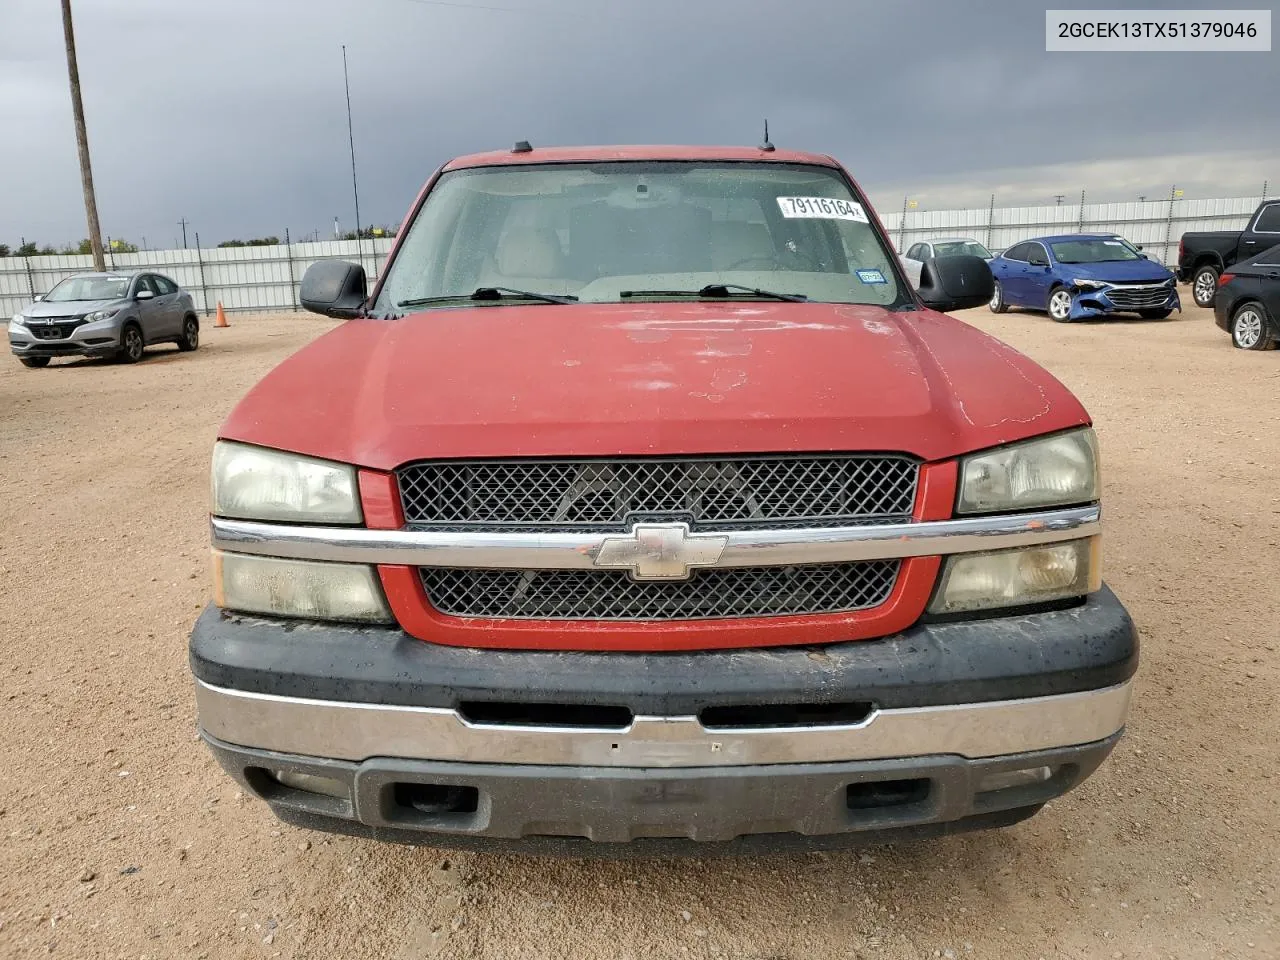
[[636, 153]]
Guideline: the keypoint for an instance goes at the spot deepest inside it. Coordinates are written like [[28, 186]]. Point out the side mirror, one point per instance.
[[334, 288], [37, 298], [1038, 262], [956, 283], [1138, 247], [144, 295]]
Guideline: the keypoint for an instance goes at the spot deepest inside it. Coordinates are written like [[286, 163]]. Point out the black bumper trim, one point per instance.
[[1042, 654], [40, 349]]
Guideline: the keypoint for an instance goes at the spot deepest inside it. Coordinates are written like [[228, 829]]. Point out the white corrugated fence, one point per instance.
[[240, 278], [267, 278]]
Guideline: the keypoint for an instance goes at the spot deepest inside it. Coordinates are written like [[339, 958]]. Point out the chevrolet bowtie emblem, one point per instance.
[[660, 551]]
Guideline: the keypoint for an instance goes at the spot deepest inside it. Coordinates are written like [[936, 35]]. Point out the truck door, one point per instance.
[[1262, 232]]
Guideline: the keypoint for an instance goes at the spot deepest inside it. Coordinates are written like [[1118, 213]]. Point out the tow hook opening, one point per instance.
[[436, 799], [878, 794]]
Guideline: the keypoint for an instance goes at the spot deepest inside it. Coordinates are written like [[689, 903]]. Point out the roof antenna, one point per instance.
[[522, 146], [767, 147]]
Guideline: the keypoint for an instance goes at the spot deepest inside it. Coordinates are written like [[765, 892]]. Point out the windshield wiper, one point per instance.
[[719, 291], [490, 293]]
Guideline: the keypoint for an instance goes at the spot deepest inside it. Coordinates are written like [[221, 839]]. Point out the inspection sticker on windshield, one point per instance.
[[822, 208], [871, 276]]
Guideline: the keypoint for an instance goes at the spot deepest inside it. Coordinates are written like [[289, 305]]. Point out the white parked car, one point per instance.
[[912, 268], [947, 247]]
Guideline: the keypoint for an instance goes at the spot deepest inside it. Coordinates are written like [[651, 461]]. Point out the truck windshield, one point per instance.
[[1094, 251], [89, 288], [658, 231]]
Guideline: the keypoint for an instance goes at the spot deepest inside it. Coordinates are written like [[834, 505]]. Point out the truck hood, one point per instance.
[[652, 378], [1120, 271]]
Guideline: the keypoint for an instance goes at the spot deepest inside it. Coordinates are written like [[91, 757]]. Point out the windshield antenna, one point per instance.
[[767, 147]]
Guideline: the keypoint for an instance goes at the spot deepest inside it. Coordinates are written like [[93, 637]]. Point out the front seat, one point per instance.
[[526, 257]]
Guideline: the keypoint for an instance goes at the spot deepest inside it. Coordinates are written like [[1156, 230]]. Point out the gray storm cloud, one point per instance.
[[232, 115]]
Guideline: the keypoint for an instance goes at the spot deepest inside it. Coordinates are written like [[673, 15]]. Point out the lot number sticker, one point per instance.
[[821, 208], [871, 276]]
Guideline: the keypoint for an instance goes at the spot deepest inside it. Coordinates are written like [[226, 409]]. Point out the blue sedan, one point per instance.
[[1080, 275]]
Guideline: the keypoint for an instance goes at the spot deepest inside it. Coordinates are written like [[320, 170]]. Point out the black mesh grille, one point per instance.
[[613, 595], [766, 491], [60, 329]]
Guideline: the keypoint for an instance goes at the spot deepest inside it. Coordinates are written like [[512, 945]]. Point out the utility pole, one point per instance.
[[1059, 198], [183, 223], [82, 142]]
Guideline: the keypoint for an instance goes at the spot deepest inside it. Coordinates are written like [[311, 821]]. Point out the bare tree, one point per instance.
[[82, 142]]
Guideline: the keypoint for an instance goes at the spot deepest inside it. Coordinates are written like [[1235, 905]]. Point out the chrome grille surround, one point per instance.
[[740, 492], [613, 595], [525, 552]]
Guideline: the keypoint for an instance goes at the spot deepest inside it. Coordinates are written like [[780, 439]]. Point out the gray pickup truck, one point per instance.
[[1202, 257]]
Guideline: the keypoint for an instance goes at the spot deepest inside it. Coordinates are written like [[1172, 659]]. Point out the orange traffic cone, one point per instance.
[[221, 319]]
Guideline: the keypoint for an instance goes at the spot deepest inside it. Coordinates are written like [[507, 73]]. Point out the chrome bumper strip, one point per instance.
[[578, 551], [358, 731]]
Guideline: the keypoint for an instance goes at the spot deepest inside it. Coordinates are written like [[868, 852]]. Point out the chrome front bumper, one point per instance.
[[358, 731]]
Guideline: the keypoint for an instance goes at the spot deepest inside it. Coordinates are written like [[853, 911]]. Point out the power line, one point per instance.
[[351, 138]]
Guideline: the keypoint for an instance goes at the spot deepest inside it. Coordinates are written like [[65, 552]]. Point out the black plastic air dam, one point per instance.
[[1086, 647], [594, 811]]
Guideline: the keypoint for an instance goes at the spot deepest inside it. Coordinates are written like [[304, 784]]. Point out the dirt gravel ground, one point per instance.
[[119, 836]]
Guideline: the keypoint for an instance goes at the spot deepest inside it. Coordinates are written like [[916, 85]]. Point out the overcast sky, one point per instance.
[[231, 112]]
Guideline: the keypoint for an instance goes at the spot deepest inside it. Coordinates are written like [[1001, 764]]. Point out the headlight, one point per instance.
[[1011, 578], [101, 315], [298, 588], [1088, 284], [1046, 472], [254, 483], [19, 320]]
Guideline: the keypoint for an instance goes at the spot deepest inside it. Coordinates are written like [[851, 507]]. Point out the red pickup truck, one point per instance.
[[644, 505]]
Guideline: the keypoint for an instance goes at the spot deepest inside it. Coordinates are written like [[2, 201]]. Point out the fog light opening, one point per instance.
[[311, 783], [1009, 779]]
